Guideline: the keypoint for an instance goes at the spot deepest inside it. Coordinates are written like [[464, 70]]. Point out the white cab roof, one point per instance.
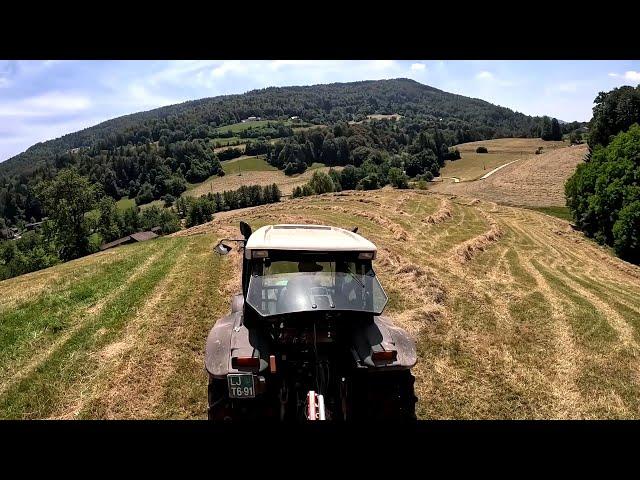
[[308, 237]]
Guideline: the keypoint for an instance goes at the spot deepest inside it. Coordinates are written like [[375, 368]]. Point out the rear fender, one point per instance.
[[230, 338], [383, 334]]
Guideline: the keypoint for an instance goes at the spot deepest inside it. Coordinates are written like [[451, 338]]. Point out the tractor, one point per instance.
[[306, 339]]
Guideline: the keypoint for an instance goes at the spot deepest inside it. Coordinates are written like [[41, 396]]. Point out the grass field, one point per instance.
[[125, 203], [560, 212], [254, 171], [474, 165], [247, 164], [533, 180], [241, 127], [515, 314]]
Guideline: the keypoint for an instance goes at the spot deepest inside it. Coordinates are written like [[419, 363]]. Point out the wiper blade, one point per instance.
[[353, 275]]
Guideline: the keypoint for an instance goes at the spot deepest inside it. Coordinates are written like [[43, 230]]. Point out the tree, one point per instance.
[[321, 183], [349, 177], [626, 232], [546, 132], [398, 178], [556, 132], [615, 111], [108, 226], [67, 199], [370, 182], [575, 137], [603, 194]]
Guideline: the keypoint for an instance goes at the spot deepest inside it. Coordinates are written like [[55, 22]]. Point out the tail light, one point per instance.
[[384, 356], [245, 362]]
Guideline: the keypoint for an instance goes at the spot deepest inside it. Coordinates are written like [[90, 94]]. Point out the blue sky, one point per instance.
[[41, 100]]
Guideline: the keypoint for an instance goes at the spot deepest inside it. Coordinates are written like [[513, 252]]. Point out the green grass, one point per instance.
[[560, 212], [247, 164], [125, 203], [241, 127], [39, 394]]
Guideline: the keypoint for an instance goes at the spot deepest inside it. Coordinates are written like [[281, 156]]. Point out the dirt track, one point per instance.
[[537, 180]]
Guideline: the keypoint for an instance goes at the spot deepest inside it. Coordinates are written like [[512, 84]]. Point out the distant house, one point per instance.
[[134, 237], [33, 226], [250, 119], [294, 118]]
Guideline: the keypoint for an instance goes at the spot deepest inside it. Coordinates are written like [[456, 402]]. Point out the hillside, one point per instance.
[[531, 180], [515, 314], [154, 154], [314, 104]]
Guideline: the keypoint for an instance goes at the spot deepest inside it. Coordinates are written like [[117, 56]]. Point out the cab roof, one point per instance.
[[319, 238]]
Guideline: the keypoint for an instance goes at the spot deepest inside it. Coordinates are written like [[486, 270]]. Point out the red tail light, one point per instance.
[[245, 362], [384, 356]]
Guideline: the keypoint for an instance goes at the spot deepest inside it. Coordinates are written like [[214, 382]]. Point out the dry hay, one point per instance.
[[468, 249], [444, 212]]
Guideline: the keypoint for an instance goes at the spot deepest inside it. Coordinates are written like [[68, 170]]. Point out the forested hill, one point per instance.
[[155, 154], [315, 104]]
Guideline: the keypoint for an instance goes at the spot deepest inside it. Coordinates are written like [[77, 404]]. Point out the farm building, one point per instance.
[[134, 237]]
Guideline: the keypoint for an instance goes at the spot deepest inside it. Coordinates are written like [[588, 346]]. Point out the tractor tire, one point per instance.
[[385, 397], [219, 405]]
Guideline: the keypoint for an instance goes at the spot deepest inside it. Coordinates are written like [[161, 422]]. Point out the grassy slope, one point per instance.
[[474, 165], [261, 174], [516, 315]]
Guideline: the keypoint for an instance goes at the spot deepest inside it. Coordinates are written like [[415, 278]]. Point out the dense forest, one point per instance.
[[604, 192], [152, 155]]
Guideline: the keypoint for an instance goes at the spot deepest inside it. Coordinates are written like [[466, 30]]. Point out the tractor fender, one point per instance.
[[230, 338], [382, 334], [237, 303]]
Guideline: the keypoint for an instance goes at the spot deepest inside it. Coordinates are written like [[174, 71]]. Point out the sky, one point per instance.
[[42, 100]]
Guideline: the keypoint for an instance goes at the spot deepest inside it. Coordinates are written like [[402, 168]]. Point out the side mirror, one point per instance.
[[222, 249], [354, 229], [245, 229]]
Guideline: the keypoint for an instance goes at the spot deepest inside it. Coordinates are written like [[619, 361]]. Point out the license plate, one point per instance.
[[241, 386]]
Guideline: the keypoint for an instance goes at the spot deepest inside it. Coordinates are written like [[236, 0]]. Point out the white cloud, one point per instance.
[[629, 76], [632, 75], [418, 67], [484, 75], [4, 82], [140, 96], [226, 67], [47, 104], [567, 87]]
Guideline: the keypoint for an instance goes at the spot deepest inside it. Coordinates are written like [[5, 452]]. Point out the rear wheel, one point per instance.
[[384, 396], [219, 405]]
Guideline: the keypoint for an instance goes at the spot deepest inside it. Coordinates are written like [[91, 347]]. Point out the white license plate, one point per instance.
[[241, 386]]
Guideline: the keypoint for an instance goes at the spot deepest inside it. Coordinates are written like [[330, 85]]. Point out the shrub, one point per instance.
[[482, 150], [398, 178]]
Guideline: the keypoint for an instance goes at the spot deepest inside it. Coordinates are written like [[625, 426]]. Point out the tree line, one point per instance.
[[81, 218], [603, 194]]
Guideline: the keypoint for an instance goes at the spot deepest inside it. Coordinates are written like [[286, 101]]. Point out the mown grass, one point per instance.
[[495, 343], [474, 165], [36, 323], [40, 394]]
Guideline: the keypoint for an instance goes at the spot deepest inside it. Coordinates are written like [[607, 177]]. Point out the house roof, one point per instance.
[[142, 236], [308, 237], [115, 243], [134, 237]]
